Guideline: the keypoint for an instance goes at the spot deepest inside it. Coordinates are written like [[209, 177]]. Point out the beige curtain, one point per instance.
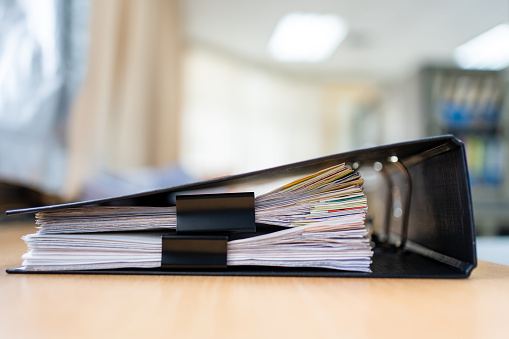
[[127, 114]]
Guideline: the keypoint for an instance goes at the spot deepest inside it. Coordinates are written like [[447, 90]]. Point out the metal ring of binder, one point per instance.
[[389, 205], [388, 202], [406, 209]]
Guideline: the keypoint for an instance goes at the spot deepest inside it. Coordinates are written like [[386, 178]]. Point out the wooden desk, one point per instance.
[[89, 306]]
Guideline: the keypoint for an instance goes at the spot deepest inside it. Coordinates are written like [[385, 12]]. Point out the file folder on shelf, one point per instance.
[[431, 236]]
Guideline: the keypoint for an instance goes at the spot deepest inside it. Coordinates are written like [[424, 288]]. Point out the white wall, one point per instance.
[[239, 116]]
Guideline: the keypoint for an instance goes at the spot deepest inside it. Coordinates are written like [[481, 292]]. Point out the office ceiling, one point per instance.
[[387, 40]]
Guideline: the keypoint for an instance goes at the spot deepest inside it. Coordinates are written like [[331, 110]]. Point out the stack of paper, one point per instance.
[[324, 214]]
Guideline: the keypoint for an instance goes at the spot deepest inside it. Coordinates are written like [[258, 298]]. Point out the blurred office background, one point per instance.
[[102, 98]]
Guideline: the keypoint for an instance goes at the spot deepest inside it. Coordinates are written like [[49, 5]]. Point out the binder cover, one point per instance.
[[425, 181]]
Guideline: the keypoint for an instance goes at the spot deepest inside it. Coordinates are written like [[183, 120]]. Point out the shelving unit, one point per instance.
[[470, 105]]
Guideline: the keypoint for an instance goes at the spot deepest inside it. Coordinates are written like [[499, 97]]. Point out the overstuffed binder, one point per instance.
[[420, 213]]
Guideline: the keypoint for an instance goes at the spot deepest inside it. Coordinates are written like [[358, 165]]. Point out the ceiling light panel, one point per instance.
[[488, 51], [307, 37]]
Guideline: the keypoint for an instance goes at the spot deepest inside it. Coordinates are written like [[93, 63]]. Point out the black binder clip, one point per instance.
[[199, 216], [194, 251], [205, 213]]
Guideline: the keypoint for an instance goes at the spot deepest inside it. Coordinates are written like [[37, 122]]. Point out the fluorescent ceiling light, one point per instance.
[[307, 37], [489, 51]]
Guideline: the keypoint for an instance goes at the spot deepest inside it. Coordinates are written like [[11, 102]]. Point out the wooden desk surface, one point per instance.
[[90, 306]]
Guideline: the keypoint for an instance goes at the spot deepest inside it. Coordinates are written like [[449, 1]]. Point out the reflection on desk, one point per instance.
[[65, 306]]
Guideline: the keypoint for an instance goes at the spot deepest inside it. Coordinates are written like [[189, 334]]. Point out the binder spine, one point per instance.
[[205, 213], [197, 251]]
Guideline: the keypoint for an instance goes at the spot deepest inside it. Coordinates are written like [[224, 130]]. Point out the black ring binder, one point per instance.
[[227, 212], [440, 230]]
